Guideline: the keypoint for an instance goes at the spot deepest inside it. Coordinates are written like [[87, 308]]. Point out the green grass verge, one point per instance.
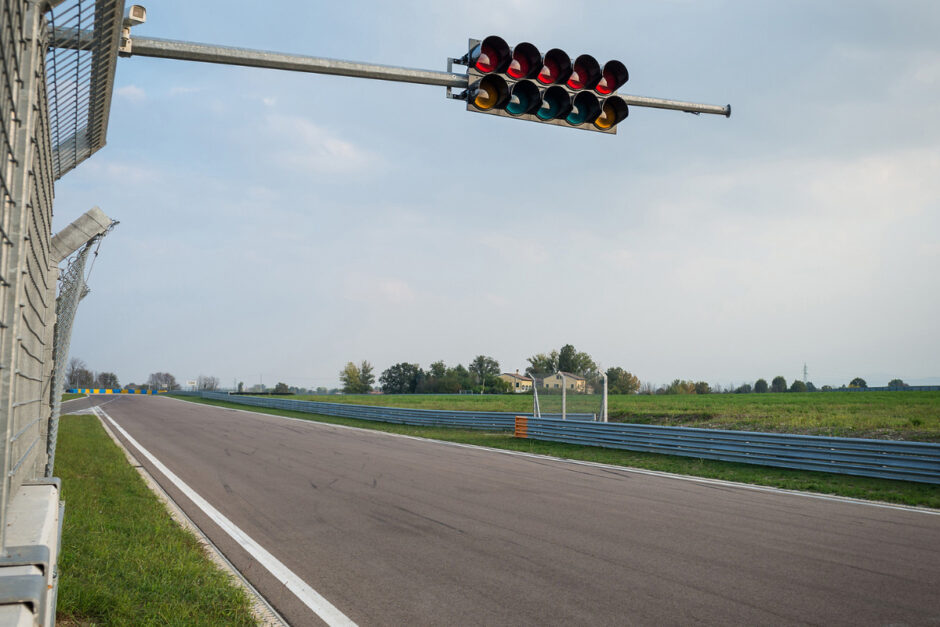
[[68, 397], [124, 560], [903, 492], [886, 415]]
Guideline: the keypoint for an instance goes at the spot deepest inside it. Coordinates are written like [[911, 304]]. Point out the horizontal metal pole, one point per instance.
[[190, 51], [209, 53], [676, 105]]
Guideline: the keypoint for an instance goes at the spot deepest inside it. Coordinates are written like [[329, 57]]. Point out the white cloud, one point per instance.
[[116, 173], [182, 90], [302, 145], [132, 93], [381, 291]]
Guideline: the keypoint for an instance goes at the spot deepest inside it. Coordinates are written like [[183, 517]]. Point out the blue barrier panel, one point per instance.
[[885, 459], [491, 421]]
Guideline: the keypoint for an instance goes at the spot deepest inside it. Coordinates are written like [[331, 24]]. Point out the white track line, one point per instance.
[[640, 471], [310, 597]]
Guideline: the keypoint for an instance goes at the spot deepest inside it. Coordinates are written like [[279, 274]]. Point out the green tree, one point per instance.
[[281, 388], [241, 386], [680, 386], [760, 386], [797, 386], [485, 369], [897, 384], [402, 378], [462, 376], [858, 382], [779, 384], [357, 379], [437, 380], [349, 377], [366, 376], [744, 388], [827, 388], [437, 370], [541, 364], [576, 362], [619, 381], [107, 380], [702, 387]]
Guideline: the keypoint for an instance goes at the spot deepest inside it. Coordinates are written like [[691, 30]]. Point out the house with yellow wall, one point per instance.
[[519, 382], [572, 382]]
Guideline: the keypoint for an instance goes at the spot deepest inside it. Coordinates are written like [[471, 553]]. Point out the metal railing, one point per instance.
[[53, 114], [885, 459], [27, 276], [489, 420], [80, 68]]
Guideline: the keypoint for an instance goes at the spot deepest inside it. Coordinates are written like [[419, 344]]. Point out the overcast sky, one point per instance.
[[278, 224]]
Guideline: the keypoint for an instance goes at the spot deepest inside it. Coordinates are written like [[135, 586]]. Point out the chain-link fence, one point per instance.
[[72, 288], [57, 61], [27, 283]]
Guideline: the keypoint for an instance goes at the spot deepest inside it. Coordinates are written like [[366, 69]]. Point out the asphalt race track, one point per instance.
[[401, 531]]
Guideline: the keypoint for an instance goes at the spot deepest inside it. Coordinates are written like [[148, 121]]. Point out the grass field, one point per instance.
[[887, 415], [904, 492], [124, 560], [68, 397]]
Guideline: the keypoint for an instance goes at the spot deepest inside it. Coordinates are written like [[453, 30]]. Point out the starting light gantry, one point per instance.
[[519, 82], [523, 83]]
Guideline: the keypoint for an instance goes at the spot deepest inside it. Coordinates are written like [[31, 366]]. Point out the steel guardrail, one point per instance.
[[488, 420], [884, 459]]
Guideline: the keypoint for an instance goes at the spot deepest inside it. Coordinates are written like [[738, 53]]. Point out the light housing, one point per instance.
[[585, 74], [490, 55], [524, 97], [518, 82], [584, 109], [556, 67], [490, 92], [613, 77], [525, 62], [613, 111], [556, 103]]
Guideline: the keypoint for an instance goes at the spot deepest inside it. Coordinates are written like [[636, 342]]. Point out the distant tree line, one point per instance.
[[777, 385], [482, 375], [79, 375], [406, 378]]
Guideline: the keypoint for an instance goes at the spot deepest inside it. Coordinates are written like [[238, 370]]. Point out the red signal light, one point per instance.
[[586, 73], [613, 77], [526, 61], [556, 67], [491, 55]]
